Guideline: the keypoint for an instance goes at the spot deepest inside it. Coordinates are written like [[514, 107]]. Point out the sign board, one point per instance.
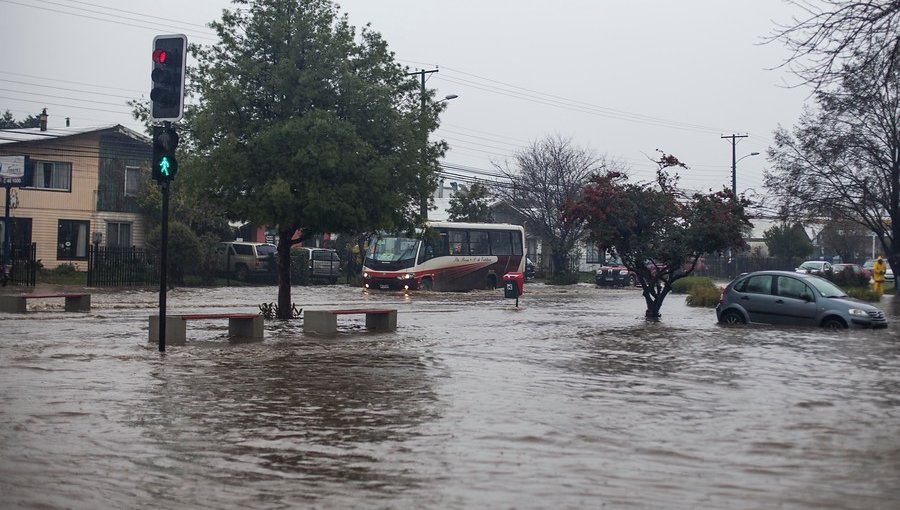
[[12, 170]]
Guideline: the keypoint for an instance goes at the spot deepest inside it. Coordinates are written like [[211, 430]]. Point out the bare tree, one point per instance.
[[546, 177], [843, 159], [832, 33]]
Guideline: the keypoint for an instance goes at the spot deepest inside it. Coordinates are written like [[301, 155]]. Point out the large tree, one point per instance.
[[828, 34], [842, 160], [544, 178], [307, 126], [788, 241], [7, 121], [658, 231]]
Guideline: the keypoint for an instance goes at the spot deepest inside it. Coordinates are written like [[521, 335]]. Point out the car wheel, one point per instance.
[[241, 273], [833, 323], [427, 284], [632, 281], [732, 317]]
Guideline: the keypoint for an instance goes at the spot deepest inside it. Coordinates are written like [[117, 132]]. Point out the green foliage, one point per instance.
[[471, 205], [7, 121], [788, 241], [689, 283], [63, 274], [305, 125], [657, 231], [184, 254], [704, 296]]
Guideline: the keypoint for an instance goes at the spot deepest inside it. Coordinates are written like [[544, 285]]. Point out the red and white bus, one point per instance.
[[446, 256]]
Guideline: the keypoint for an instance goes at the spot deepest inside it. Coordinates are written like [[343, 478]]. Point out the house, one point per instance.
[[80, 187]]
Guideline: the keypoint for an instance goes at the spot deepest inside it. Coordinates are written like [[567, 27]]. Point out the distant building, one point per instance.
[[81, 186]]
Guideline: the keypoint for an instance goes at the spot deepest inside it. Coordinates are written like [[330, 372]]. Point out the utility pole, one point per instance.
[[423, 200], [734, 140]]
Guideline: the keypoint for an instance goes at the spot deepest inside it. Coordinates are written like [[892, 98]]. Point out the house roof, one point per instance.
[[23, 135]]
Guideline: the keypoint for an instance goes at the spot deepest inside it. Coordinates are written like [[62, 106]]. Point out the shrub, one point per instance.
[[847, 278], [184, 251], [64, 269], [704, 296], [688, 283], [299, 267], [863, 293]]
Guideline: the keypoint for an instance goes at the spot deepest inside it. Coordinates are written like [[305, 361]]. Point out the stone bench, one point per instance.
[[242, 325], [17, 303], [324, 322]]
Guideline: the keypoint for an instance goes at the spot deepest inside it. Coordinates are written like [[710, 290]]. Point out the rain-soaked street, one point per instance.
[[570, 401]]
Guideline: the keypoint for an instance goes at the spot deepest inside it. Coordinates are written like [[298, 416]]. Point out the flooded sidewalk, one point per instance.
[[571, 400]]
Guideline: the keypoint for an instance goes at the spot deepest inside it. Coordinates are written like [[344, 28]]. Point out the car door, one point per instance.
[[755, 296], [794, 302]]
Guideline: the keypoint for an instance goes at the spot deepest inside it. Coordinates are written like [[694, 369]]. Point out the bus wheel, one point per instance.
[[427, 284], [491, 282]]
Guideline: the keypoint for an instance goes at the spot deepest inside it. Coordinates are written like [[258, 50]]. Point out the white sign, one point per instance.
[[12, 169]]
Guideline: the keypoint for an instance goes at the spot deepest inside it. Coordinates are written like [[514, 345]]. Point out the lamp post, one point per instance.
[[734, 163]]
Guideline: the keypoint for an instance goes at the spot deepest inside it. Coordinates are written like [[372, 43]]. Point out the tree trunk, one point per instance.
[[284, 274]]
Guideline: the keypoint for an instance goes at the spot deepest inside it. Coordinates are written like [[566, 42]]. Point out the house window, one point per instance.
[[592, 254], [72, 240], [118, 234], [19, 236], [52, 175], [132, 181]]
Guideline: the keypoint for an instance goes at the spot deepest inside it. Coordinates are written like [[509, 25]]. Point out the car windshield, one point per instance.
[[811, 265], [265, 249], [826, 288]]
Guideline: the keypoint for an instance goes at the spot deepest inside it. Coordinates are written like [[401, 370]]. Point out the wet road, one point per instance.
[[570, 401]]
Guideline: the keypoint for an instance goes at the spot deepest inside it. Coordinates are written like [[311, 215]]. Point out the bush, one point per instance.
[[847, 278], [863, 293], [299, 267], [184, 251], [704, 296], [688, 283]]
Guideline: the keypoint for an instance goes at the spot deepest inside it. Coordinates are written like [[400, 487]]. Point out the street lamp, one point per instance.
[[734, 163]]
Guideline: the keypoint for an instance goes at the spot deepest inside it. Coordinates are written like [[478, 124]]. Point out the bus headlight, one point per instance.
[[366, 274], [408, 276]]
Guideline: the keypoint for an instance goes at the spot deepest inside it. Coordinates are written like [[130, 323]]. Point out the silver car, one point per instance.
[[783, 297]]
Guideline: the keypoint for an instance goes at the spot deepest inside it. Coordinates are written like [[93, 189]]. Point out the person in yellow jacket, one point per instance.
[[878, 271]]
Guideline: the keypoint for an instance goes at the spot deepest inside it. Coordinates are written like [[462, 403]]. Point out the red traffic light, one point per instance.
[[160, 56]]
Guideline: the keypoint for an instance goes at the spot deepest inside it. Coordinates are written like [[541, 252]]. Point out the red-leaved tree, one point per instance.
[[658, 231]]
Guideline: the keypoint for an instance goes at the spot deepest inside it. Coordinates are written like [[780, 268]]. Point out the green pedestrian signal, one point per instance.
[[165, 141]]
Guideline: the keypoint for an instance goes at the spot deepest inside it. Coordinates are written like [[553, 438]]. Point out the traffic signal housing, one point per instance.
[[167, 77], [165, 141]]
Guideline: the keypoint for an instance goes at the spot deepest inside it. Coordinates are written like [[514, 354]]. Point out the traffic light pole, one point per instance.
[[163, 259]]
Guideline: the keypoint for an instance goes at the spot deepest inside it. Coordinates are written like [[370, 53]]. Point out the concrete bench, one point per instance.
[[242, 325], [324, 322], [17, 303]]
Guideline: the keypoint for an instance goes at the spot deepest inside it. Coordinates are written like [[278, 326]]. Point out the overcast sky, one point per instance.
[[621, 77]]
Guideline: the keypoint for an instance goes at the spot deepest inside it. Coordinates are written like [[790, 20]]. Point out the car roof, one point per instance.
[[780, 273]]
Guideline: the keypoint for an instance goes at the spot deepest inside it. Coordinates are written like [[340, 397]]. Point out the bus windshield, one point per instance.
[[392, 249]]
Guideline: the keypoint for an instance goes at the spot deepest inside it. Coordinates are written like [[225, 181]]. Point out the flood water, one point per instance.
[[571, 400]]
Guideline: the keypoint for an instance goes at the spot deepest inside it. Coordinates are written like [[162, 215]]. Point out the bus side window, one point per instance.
[[478, 243], [500, 243], [458, 242]]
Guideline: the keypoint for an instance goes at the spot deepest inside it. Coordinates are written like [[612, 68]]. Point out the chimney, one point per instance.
[[67, 121], [44, 120]]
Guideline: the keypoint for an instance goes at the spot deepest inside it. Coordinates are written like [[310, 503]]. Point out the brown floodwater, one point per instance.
[[571, 400]]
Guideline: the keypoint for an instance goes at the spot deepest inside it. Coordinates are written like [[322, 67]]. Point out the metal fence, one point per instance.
[[24, 265], [727, 268], [119, 266]]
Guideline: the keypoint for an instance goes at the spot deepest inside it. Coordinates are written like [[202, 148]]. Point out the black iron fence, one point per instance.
[[727, 268], [115, 266], [24, 265]]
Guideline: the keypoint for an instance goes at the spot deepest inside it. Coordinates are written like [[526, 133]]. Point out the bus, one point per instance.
[[446, 257]]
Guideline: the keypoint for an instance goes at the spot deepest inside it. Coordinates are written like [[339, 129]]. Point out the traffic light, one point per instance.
[[167, 77], [165, 141]]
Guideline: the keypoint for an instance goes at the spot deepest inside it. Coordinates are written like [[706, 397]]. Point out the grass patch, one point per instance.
[[689, 283], [64, 274], [704, 296]]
